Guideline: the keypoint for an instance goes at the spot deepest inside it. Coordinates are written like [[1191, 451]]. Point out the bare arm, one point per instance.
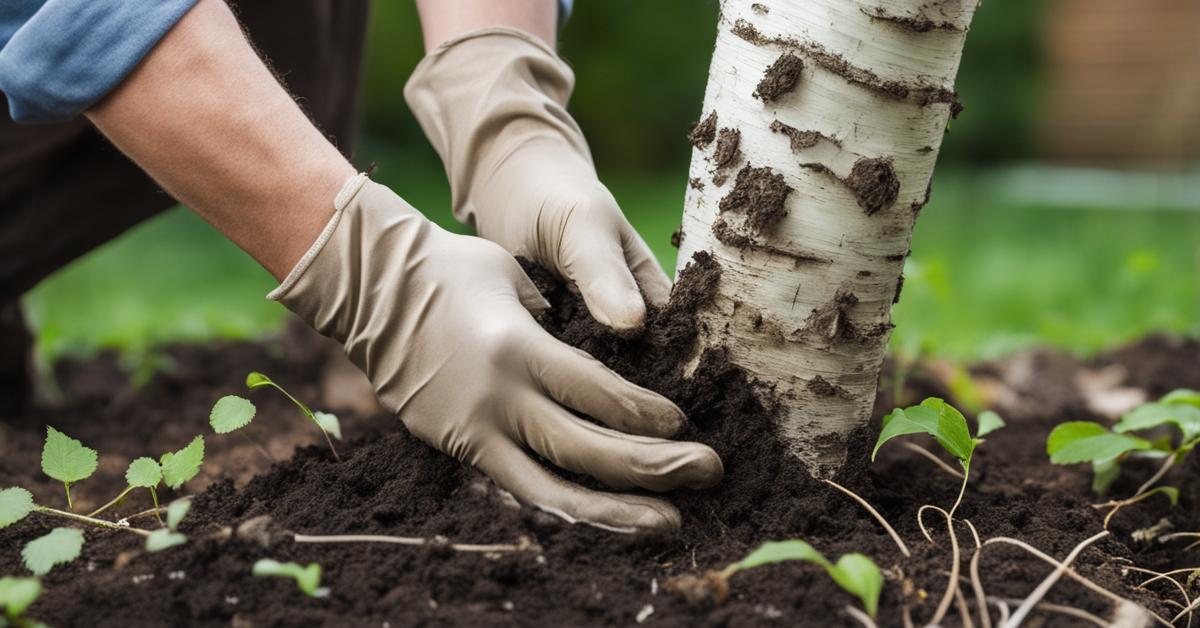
[[443, 19], [205, 117]]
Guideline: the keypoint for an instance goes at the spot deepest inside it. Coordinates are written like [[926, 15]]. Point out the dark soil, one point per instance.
[[391, 484], [703, 132], [728, 148]]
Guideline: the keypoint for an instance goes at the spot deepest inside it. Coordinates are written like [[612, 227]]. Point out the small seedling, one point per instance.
[[170, 536], [946, 425], [60, 545], [1084, 441], [67, 460], [17, 595], [182, 465], [308, 578], [233, 413], [174, 469], [855, 573]]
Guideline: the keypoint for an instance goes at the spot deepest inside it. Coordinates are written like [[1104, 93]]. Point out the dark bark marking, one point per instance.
[[874, 184], [760, 194], [701, 133], [728, 148], [800, 140], [780, 78]]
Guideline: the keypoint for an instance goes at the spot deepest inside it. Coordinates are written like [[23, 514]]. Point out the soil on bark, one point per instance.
[[391, 484]]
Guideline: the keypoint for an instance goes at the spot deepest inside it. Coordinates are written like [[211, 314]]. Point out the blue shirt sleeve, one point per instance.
[[58, 57]]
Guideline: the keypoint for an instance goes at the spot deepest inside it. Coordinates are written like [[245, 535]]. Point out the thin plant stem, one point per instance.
[[932, 457], [1041, 590], [262, 451], [1138, 495], [907, 616], [112, 503], [309, 413], [1071, 573], [1003, 603], [70, 504], [1187, 600], [1118, 505], [961, 489], [925, 531], [1157, 476], [54, 512], [410, 540], [862, 617], [157, 510], [875, 513]]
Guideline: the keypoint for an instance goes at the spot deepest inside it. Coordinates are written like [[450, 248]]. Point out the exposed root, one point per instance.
[[874, 513], [54, 512], [1187, 600], [1044, 587], [985, 619], [1002, 603], [960, 603], [952, 586], [1138, 495], [524, 545], [1071, 573]]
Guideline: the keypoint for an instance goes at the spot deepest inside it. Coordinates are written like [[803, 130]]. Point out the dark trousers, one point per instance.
[[64, 189]]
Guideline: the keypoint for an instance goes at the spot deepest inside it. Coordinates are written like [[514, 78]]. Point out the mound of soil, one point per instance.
[[391, 484]]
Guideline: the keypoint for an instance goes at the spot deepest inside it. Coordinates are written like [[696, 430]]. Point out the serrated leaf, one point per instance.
[[162, 539], [934, 417], [66, 459], [257, 380], [308, 578], [860, 576], [183, 465], [988, 422], [329, 423], [1182, 396], [17, 594], [1085, 441], [1184, 416], [176, 511], [231, 413], [143, 473], [15, 504], [60, 545]]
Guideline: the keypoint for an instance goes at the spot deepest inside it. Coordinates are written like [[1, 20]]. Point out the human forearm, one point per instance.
[[443, 19], [204, 116]]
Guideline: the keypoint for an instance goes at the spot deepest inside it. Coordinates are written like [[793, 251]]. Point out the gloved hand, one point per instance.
[[493, 104], [441, 325]]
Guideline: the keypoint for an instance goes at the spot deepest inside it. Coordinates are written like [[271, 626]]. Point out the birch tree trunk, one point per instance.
[[821, 124]]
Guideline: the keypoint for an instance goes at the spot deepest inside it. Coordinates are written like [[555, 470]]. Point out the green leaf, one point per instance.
[[1105, 472], [163, 538], [183, 465], [1171, 492], [1184, 416], [257, 380], [231, 413], [61, 545], [860, 576], [855, 573], [779, 551], [1085, 441], [1183, 396], [988, 422], [17, 594], [15, 504], [144, 473], [176, 511], [934, 417], [329, 423], [307, 578], [66, 459]]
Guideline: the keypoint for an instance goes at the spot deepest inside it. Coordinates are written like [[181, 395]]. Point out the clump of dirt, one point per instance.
[[821, 387], [760, 194], [780, 78], [874, 184], [702, 133], [800, 140], [832, 320], [728, 148]]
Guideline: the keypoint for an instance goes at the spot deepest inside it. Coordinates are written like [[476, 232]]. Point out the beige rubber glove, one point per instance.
[[441, 325], [493, 104]]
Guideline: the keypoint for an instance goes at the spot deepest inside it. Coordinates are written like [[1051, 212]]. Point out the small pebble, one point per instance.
[[654, 586], [507, 605], [176, 575], [231, 600], [646, 611]]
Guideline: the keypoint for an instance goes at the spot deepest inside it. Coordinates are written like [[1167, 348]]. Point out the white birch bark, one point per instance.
[[876, 84]]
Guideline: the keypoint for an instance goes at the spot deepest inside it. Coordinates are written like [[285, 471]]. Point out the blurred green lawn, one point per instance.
[[987, 276]]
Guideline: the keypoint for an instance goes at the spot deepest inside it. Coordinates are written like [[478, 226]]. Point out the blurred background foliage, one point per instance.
[[1012, 250]]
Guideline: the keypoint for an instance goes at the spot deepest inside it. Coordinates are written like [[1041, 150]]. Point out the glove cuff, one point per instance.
[[344, 196]]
